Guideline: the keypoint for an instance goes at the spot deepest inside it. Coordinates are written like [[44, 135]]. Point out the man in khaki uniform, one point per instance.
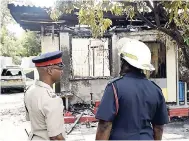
[[44, 108]]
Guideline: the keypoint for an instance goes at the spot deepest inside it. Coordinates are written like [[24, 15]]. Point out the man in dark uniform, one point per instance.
[[132, 107]]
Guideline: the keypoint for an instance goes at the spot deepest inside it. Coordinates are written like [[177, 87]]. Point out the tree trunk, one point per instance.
[[183, 63], [185, 49], [176, 35]]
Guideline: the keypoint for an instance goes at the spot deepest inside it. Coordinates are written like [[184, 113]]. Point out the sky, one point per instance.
[[15, 28], [46, 3]]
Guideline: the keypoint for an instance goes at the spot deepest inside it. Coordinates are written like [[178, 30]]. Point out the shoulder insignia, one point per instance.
[[156, 85], [115, 79], [27, 88], [51, 94]]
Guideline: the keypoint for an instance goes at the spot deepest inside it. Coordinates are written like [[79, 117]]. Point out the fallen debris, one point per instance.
[[75, 123]]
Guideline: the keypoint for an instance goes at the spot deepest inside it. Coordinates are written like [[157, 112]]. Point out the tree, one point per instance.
[[175, 13], [5, 20], [10, 46], [28, 45], [9, 43], [31, 45], [5, 14]]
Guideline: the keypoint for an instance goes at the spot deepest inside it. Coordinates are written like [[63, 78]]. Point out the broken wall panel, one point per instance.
[[100, 59], [115, 57], [80, 56], [75, 58], [96, 85], [65, 47], [90, 59], [83, 88]]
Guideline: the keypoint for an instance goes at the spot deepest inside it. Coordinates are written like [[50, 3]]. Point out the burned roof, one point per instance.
[[29, 17], [32, 17]]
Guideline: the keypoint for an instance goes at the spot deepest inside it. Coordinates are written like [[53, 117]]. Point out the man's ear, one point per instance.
[[49, 70]]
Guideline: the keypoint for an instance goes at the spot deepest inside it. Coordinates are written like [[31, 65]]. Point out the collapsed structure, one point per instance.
[[91, 63]]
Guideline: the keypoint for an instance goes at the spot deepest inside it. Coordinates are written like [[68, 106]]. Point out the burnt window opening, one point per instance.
[[158, 52], [90, 57]]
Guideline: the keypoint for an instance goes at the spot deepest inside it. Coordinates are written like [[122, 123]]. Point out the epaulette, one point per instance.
[[51, 94], [156, 85], [115, 79], [26, 89], [24, 97]]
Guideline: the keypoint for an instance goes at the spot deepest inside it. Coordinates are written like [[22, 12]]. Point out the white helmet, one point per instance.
[[136, 53]]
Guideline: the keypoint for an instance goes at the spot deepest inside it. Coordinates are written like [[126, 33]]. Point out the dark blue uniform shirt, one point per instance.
[[141, 104]]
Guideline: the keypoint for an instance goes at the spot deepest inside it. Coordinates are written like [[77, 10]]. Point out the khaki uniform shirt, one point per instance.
[[45, 112]]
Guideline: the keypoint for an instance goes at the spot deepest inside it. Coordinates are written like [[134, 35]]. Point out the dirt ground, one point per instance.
[[13, 123]]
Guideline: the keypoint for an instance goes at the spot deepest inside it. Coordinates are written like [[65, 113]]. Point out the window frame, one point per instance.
[[162, 45], [91, 77]]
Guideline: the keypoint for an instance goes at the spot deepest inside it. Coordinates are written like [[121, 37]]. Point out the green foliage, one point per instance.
[[179, 14], [93, 17], [91, 12], [186, 40], [10, 46], [30, 43], [27, 45], [5, 16], [8, 43]]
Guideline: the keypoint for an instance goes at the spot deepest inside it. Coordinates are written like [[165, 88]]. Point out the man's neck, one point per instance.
[[50, 83]]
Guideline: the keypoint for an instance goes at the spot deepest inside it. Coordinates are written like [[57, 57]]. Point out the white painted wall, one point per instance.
[[115, 57], [49, 45], [27, 62], [171, 69], [5, 61]]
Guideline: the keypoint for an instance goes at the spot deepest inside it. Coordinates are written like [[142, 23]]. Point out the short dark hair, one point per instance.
[[126, 67]]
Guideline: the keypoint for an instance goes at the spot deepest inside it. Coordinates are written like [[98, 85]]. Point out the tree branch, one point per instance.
[[175, 34], [173, 31], [142, 17], [156, 13], [166, 31], [162, 12], [149, 5]]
